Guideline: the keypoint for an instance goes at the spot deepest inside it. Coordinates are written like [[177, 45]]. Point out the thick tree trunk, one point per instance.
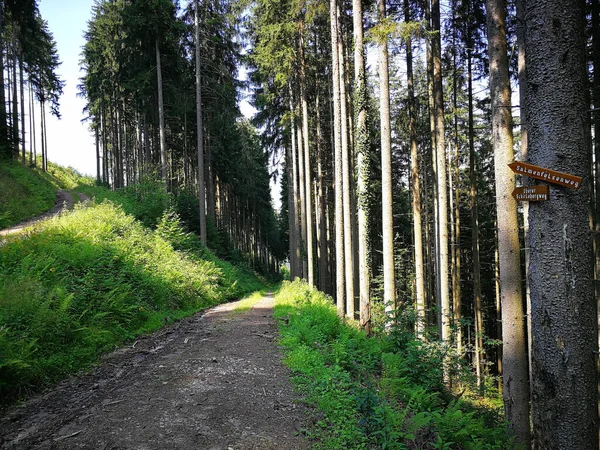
[[516, 378], [415, 186], [199, 129], [564, 314], [389, 282], [362, 165], [338, 171]]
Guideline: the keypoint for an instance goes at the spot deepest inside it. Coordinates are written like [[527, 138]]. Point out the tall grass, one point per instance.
[[384, 392], [27, 192], [84, 282]]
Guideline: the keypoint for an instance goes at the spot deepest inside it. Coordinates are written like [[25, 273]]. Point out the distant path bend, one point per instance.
[[212, 381], [64, 201]]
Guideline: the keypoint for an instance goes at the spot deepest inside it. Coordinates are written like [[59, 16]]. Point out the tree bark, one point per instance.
[[338, 172], [199, 129], [362, 165], [161, 117], [564, 314], [389, 282], [440, 145], [415, 186], [516, 386]]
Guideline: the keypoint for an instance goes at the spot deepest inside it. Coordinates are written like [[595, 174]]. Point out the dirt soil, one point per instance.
[[212, 381]]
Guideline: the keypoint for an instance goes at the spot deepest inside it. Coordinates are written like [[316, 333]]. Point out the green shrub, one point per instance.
[[84, 282], [382, 392]]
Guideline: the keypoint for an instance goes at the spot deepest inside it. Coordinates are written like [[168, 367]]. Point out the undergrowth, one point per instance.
[[384, 392], [80, 284]]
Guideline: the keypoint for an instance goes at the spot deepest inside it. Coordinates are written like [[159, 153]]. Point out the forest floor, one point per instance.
[[212, 381], [64, 201]]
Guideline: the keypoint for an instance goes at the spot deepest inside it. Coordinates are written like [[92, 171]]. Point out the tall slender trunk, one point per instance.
[[31, 125], [302, 189], [42, 143], [516, 378], [307, 165], [337, 151], [323, 258], [297, 272], [3, 116], [22, 92], [199, 128], [347, 174], [15, 101], [291, 213], [361, 141], [161, 116], [438, 108], [389, 282], [415, 185], [474, 226]]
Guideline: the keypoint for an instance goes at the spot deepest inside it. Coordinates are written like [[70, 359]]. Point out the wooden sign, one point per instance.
[[551, 176], [531, 193]]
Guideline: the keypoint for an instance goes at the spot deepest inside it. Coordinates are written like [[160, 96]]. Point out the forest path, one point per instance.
[[64, 201], [212, 381]]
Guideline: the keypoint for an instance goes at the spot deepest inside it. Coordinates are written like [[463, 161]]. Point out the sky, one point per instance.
[[70, 143]]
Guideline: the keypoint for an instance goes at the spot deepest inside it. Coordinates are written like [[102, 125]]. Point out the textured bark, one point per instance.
[[323, 257], [302, 191], [3, 115], [296, 271], [362, 165], [22, 94], [564, 314], [474, 226], [199, 128], [347, 175], [161, 117], [307, 174], [442, 194], [338, 172], [415, 186], [389, 282], [516, 387]]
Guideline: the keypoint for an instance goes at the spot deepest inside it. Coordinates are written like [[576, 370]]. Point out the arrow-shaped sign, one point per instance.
[[551, 176], [531, 193]]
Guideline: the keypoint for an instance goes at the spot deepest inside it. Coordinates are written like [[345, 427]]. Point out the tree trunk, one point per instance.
[[415, 186], [4, 150], [477, 312], [161, 117], [337, 151], [347, 175], [22, 92], [564, 314], [362, 165], [389, 282], [442, 194], [308, 178], [199, 129], [31, 125], [516, 386], [297, 272], [15, 102]]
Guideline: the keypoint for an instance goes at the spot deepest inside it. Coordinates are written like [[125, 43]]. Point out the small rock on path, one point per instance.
[[212, 381]]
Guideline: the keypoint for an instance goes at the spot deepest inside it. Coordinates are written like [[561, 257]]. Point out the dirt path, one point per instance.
[[64, 201], [214, 381]]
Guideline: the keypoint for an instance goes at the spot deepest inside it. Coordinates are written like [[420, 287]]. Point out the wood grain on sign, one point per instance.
[[531, 193], [551, 176]]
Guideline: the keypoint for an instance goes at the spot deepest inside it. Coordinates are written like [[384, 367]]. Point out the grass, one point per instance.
[[382, 392], [26, 192], [79, 285]]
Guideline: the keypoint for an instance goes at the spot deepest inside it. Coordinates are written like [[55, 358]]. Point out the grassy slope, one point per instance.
[[26, 192], [93, 278], [381, 392]]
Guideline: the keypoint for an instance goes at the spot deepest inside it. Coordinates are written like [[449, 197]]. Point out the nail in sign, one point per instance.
[[551, 176], [531, 193]]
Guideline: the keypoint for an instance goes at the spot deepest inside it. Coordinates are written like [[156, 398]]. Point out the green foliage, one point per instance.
[[381, 392], [84, 282], [26, 192]]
